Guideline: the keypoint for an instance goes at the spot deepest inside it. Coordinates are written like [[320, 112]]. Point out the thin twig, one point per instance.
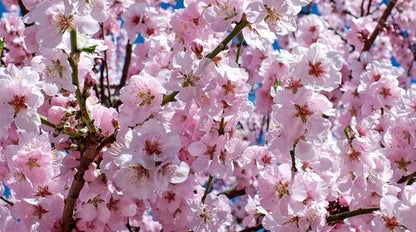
[[91, 143], [240, 45], [342, 38], [253, 228], [207, 188], [22, 8], [7, 201], [126, 67], [102, 93], [380, 24], [369, 6], [362, 8], [293, 157]]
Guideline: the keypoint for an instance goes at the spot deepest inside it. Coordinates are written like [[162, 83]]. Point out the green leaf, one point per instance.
[[347, 132], [90, 49], [1, 45], [277, 83]]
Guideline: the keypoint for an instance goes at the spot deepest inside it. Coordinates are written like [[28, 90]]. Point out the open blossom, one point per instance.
[[135, 18], [166, 101], [222, 13], [151, 145], [319, 68], [33, 158], [302, 113], [275, 183], [54, 66], [141, 98], [20, 97], [211, 215]]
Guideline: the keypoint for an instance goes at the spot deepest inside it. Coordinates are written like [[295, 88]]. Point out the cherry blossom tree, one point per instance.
[[212, 115]]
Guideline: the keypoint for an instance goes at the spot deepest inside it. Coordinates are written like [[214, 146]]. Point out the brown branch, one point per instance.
[[105, 68], [91, 144], [233, 192], [132, 228], [352, 213], [126, 66], [293, 158], [207, 188], [370, 41], [22, 8], [107, 141], [253, 228], [369, 7], [93, 147], [362, 8], [409, 179]]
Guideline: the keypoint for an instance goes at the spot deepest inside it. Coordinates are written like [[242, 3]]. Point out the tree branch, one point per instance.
[[207, 188], [91, 143], [104, 99], [240, 45], [409, 179], [223, 45], [342, 38], [126, 66], [362, 8], [352, 213], [293, 157], [22, 8], [369, 6], [253, 228], [233, 192], [46, 122], [370, 41], [74, 59]]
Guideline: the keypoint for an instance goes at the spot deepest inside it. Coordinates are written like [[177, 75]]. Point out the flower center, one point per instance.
[[18, 102], [303, 112], [316, 69], [152, 147]]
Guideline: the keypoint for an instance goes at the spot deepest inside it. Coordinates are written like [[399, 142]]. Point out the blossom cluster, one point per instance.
[[136, 115]]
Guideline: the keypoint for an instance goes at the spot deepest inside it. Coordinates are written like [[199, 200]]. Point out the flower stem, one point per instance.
[[169, 98], [45, 121]]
